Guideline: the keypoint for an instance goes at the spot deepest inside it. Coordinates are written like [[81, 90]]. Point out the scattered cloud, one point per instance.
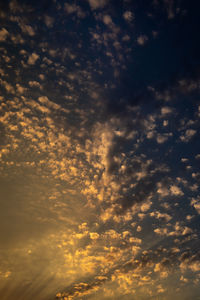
[[32, 58], [142, 39], [3, 34], [128, 16], [96, 4]]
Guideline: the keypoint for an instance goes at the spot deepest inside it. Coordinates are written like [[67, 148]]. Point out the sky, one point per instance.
[[99, 150]]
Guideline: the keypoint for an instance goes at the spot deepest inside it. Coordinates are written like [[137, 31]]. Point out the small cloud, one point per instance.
[[128, 16], [145, 206], [27, 29], [161, 138], [8, 87], [142, 39], [45, 101], [195, 266], [166, 110], [32, 58], [188, 135], [70, 8], [196, 204], [107, 20], [95, 4], [48, 21], [94, 235], [126, 38], [20, 89], [35, 84], [3, 34], [41, 76], [74, 9], [176, 191]]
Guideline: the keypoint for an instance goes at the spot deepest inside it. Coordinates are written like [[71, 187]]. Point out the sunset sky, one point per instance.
[[99, 150]]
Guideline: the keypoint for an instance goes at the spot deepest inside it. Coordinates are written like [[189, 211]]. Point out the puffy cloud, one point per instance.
[[27, 29], [96, 4], [128, 16], [73, 8], [196, 204], [48, 103], [49, 21], [189, 133], [107, 20], [146, 206], [94, 235], [20, 89], [175, 190], [8, 87], [158, 215], [142, 39], [3, 34], [166, 110], [33, 58]]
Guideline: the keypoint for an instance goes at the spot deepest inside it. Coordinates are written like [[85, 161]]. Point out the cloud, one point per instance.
[[20, 89], [3, 34], [96, 4], [48, 103], [49, 21], [128, 16], [176, 191], [34, 84], [189, 133], [27, 29], [166, 110], [73, 8], [33, 58], [142, 39], [158, 215], [107, 20], [92, 192], [196, 204]]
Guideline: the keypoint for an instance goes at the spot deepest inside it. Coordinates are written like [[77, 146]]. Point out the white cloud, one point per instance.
[[195, 266], [145, 206], [9, 88]]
